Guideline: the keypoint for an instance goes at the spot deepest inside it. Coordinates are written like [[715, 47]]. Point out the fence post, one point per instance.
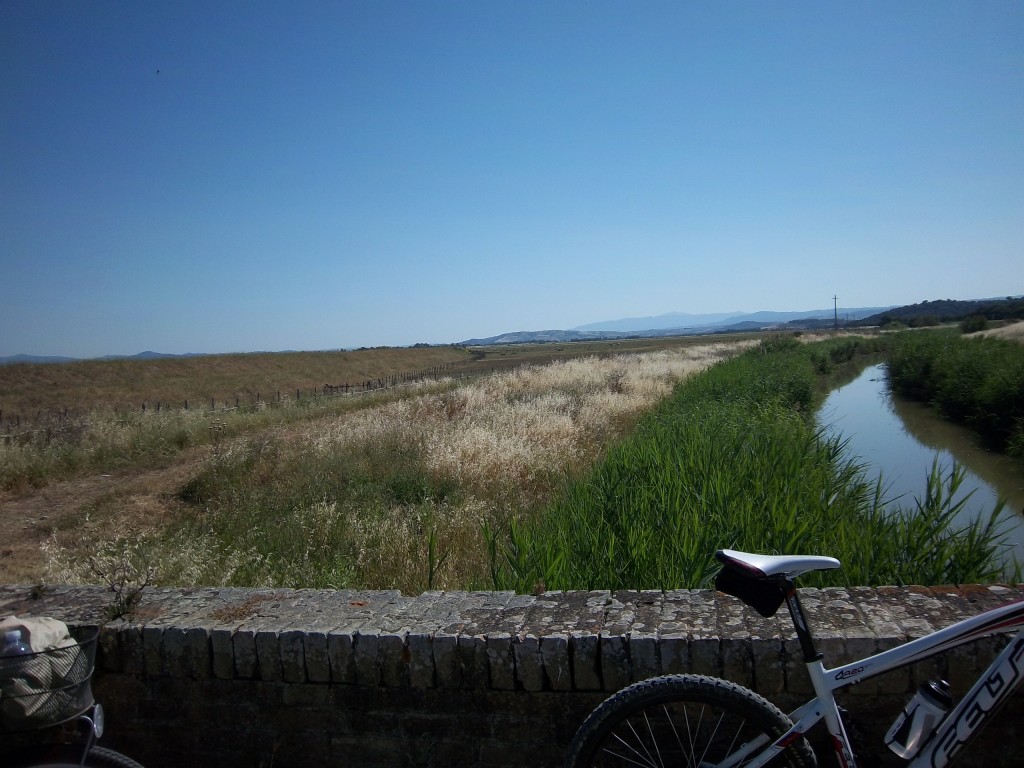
[[213, 404], [186, 405]]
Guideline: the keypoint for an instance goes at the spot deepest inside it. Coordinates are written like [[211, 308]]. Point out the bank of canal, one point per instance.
[[901, 439]]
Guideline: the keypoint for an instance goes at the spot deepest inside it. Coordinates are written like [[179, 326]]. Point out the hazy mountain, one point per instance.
[[682, 320], [11, 359], [668, 320], [523, 337], [682, 324]]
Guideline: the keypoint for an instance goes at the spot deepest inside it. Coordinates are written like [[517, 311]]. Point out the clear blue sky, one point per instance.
[[222, 176]]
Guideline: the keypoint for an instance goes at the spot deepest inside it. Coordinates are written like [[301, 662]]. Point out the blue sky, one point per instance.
[[220, 176]]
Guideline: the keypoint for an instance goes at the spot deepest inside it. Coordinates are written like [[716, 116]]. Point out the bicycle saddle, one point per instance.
[[766, 566]]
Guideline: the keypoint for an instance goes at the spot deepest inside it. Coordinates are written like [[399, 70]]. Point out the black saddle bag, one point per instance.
[[763, 595]]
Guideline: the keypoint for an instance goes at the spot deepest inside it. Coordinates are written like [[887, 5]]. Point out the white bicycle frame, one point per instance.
[[973, 711]]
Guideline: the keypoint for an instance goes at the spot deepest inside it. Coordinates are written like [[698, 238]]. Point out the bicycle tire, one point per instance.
[[70, 756], [680, 720]]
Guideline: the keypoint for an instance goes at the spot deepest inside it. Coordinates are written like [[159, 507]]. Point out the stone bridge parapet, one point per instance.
[[250, 677]]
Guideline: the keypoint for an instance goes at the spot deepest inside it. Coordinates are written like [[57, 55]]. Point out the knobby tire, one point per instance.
[[71, 756], [687, 721]]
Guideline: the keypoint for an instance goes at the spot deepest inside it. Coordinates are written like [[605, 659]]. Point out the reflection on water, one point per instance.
[[901, 439]]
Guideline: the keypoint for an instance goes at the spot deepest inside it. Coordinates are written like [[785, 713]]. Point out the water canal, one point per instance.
[[900, 440]]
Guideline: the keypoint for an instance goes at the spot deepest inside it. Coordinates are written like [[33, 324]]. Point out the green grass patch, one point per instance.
[[733, 460]]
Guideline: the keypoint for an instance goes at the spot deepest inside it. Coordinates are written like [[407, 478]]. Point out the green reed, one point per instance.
[[733, 460], [976, 381]]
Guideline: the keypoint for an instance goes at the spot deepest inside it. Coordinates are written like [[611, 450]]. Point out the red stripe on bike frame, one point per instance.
[[837, 745], [794, 736]]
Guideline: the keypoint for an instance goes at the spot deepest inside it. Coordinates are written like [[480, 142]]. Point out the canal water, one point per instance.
[[900, 439]]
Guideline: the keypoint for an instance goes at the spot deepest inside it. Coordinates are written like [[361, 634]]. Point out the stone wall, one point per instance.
[[233, 677]]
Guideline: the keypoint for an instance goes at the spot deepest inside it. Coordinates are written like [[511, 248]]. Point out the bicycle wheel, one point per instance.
[[682, 720], [70, 756]]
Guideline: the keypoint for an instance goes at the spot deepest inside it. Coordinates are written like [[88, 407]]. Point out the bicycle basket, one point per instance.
[[47, 688]]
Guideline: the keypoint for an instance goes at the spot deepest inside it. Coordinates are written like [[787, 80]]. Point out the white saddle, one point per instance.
[[763, 566]]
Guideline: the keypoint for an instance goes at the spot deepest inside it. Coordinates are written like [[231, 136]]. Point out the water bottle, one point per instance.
[[14, 644], [918, 719]]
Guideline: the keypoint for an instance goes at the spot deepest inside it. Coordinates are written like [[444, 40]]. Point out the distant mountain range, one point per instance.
[[682, 324], [56, 359]]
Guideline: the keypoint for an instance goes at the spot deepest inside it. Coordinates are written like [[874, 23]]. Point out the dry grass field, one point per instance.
[[125, 384], [1010, 332], [90, 385], [375, 491]]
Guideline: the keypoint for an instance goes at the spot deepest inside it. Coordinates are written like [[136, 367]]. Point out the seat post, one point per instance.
[[803, 630]]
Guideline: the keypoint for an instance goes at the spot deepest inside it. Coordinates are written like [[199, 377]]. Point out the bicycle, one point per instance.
[[706, 722], [54, 724]]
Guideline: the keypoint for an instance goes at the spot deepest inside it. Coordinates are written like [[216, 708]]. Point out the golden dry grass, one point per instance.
[[1011, 332], [506, 441]]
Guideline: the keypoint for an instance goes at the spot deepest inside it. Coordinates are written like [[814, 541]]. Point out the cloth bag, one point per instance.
[[42, 687]]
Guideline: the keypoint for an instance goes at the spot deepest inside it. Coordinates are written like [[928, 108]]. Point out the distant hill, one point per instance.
[[682, 324], [668, 320], [14, 359], [11, 359], [948, 311], [536, 337], [682, 320]]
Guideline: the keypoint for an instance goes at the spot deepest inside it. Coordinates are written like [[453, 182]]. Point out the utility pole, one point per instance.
[[835, 313]]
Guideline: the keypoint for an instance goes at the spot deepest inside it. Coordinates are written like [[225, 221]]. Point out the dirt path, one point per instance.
[[27, 520]]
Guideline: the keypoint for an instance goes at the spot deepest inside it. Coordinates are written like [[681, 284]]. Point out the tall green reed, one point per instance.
[[977, 381], [734, 460]]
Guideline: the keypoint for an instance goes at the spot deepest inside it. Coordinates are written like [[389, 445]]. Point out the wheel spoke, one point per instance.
[[683, 721]]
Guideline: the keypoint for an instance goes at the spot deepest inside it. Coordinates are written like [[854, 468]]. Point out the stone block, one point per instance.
[[421, 660], [393, 653], [615, 667], [737, 659], [367, 665], [554, 654], [132, 656], [268, 655], [198, 642], [243, 643], [176, 653], [500, 661], [222, 653], [293, 656], [474, 668], [768, 666], [529, 667], [674, 650], [152, 650], [341, 655], [109, 656], [444, 649], [643, 655], [585, 653], [706, 656], [315, 652]]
